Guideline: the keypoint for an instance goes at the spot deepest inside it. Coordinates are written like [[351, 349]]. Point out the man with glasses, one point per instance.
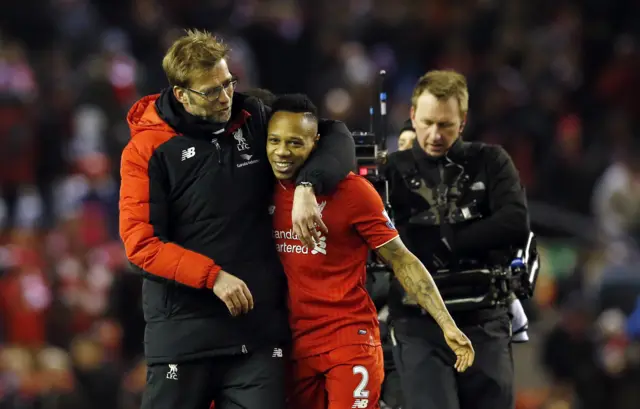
[[194, 219]]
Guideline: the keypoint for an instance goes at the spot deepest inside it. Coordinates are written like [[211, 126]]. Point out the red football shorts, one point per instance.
[[348, 377]]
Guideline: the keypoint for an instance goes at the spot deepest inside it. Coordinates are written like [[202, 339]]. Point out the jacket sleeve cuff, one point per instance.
[[213, 275], [313, 178]]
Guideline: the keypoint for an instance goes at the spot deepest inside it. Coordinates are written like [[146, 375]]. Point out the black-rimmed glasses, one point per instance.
[[213, 94]]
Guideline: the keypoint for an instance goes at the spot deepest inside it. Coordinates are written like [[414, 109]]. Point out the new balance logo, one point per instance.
[[320, 246], [277, 353], [173, 372], [188, 153], [321, 207], [360, 404]]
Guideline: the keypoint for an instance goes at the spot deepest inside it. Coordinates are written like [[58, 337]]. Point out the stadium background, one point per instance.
[[554, 81]]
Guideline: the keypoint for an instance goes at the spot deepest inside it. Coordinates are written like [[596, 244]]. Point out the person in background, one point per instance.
[[407, 136], [458, 206]]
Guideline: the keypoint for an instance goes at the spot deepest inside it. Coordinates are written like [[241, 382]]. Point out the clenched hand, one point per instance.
[[461, 346], [234, 293], [306, 216]]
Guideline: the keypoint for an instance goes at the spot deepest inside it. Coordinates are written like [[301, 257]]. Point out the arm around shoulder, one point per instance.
[[332, 160]]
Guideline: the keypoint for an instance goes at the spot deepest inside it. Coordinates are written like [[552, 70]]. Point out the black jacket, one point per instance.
[[489, 178], [193, 202]]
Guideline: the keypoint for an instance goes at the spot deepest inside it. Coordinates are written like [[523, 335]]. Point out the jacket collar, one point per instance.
[[455, 153]]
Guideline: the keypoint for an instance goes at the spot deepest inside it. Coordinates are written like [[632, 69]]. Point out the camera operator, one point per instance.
[[459, 206]]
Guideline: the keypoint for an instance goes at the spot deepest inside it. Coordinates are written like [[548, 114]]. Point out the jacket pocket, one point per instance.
[[186, 302], [167, 299], [156, 299]]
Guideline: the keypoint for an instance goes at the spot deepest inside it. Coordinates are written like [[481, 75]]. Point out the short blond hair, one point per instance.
[[192, 56], [443, 85]]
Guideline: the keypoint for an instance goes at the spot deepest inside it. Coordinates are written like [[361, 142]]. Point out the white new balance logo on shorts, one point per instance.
[[277, 353], [360, 404], [188, 153]]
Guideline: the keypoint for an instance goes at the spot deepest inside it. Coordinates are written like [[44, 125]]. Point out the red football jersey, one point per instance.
[[328, 303]]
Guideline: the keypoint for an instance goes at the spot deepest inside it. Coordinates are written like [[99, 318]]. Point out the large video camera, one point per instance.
[[371, 146], [371, 154], [483, 286]]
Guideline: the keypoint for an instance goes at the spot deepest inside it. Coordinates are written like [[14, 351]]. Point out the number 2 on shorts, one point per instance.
[[360, 392]]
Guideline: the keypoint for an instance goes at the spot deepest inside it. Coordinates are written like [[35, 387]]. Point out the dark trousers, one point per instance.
[[428, 378], [252, 381], [391, 387]]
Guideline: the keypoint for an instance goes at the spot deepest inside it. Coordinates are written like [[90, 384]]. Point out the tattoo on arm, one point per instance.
[[416, 279]]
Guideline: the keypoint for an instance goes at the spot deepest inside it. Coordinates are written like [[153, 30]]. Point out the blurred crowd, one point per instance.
[[553, 81]]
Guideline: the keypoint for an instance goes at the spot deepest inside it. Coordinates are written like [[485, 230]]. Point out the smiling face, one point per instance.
[[291, 138]]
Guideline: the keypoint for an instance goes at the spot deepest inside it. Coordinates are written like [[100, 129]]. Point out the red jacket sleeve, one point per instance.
[[143, 221]]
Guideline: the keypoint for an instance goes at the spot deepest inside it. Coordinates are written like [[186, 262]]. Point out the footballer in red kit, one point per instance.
[[328, 302], [337, 360]]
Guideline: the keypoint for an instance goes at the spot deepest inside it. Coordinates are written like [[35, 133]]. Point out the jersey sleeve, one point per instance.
[[367, 213]]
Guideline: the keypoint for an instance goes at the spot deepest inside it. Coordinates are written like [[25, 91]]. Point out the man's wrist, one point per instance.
[[305, 184], [305, 187], [447, 323], [214, 272]]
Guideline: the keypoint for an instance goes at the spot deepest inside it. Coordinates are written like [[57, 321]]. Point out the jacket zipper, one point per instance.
[[217, 145]]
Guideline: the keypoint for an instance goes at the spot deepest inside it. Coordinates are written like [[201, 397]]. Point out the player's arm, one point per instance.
[[144, 220], [416, 280], [374, 225]]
